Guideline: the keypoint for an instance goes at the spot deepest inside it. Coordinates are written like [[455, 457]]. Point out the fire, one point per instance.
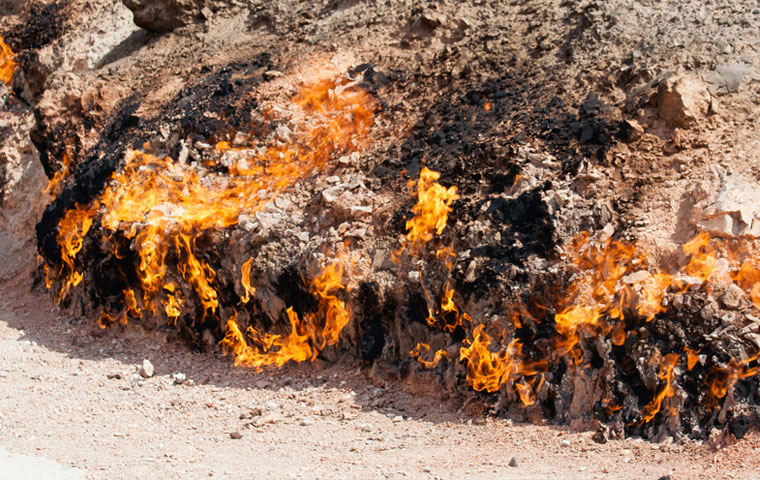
[[437, 357], [245, 280], [702, 255], [613, 284], [667, 364], [325, 286], [257, 349], [432, 209], [7, 65], [71, 232], [54, 186], [161, 206], [487, 370], [722, 379]]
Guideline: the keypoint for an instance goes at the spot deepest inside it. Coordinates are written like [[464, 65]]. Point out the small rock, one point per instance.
[[625, 451], [271, 418], [307, 422], [271, 405], [599, 437], [179, 378], [636, 277], [732, 297], [270, 74], [113, 376], [565, 443], [513, 462], [147, 370], [631, 130], [236, 435]]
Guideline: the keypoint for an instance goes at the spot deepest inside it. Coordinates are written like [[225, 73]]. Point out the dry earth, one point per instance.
[[82, 404]]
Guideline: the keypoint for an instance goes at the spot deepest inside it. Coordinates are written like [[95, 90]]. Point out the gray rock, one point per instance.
[[726, 78], [513, 462], [236, 435], [179, 378]]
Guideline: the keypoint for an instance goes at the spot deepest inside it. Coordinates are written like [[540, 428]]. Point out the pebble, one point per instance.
[[147, 370], [513, 462], [236, 435], [271, 405], [307, 422], [179, 378], [565, 443]]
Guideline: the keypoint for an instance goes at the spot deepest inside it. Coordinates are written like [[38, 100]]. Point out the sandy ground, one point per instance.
[[76, 399]]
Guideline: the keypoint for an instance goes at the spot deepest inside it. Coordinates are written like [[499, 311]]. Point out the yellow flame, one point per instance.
[[306, 339], [417, 353], [667, 364], [245, 280], [432, 209]]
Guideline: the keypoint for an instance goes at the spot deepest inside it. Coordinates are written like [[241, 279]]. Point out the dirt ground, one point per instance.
[[77, 403]]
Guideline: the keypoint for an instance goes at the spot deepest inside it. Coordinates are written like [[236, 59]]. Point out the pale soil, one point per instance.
[[57, 402]]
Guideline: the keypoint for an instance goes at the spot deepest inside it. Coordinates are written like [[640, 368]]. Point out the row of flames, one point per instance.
[[614, 284], [161, 207]]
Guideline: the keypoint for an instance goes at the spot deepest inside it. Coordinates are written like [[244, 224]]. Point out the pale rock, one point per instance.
[[683, 100], [147, 370], [636, 277], [726, 205]]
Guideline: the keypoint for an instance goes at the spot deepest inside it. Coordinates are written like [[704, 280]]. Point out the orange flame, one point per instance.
[[7, 65], [54, 186], [266, 349], [258, 349], [722, 379], [245, 280], [417, 353], [487, 370], [691, 358], [432, 209], [667, 364]]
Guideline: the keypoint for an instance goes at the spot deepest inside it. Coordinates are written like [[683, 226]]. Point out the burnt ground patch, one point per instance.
[[45, 22]]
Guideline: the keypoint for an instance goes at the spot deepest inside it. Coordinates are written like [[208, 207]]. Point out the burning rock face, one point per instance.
[[593, 331]]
